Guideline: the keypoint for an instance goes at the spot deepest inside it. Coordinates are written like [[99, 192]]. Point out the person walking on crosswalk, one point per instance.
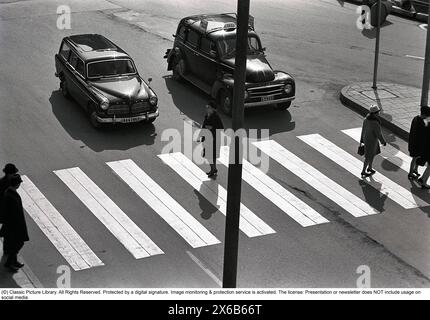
[[14, 229], [417, 141], [371, 135], [9, 170], [213, 123]]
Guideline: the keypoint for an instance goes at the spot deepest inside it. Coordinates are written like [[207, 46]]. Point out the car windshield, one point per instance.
[[227, 46], [110, 68]]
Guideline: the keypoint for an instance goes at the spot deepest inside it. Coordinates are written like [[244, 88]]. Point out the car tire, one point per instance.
[[283, 106], [92, 116], [64, 89], [226, 102]]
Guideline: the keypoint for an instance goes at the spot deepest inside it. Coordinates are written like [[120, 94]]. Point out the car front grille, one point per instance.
[[270, 90], [118, 109], [140, 107]]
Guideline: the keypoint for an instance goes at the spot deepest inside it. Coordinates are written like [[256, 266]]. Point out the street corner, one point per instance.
[[398, 103]]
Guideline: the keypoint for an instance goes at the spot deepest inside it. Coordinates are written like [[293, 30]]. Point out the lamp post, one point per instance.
[[234, 187], [425, 86], [378, 33]]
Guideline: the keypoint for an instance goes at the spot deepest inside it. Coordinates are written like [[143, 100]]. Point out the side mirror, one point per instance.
[[149, 80], [263, 49]]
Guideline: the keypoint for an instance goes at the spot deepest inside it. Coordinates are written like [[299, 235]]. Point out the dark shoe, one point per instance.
[[11, 267], [371, 171], [423, 185], [212, 173], [412, 176], [18, 264], [365, 174]]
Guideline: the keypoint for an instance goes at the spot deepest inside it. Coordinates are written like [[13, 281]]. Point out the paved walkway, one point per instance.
[[399, 104]]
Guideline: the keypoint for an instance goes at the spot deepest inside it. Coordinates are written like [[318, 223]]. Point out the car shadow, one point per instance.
[[186, 97], [110, 137]]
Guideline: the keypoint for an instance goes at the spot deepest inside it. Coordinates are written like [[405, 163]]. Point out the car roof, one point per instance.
[[217, 20], [95, 47]]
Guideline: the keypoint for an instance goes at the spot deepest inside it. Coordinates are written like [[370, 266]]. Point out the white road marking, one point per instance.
[[206, 270], [341, 196], [350, 163], [423, 26], [56, 228], [163, 204], [249, 223], [273, 191], [388, 152], [115, 220], [414, 57]]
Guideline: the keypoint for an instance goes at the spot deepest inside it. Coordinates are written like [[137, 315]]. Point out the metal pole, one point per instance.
[[425, 87], [234, 188], [378, 31]]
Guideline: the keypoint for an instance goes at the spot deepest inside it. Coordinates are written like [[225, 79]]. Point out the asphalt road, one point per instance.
[[317, 42]]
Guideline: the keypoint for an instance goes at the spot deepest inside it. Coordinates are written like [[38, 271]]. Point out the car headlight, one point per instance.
[[246, 94], [104, 104], [153, 100], [288, 88]]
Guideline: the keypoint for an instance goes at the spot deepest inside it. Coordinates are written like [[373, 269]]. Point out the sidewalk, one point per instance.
[[399, 104]]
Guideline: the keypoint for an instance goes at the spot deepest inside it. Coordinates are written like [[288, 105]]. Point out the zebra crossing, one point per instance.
[[78, 254]]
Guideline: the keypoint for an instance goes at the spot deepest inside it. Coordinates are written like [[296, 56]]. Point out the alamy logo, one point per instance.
[[363, 21], [203, 153], [64, 21]]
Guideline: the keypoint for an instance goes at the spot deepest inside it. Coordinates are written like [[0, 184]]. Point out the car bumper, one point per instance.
[[269, 102], [143, 117]]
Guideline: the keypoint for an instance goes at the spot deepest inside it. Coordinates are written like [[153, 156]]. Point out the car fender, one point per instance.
[[226, 82]]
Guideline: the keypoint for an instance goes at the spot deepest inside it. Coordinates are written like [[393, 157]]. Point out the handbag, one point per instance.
[[360, 149]]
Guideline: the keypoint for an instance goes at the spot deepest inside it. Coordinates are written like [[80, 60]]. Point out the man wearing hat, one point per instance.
[[14, 229], [371, 135]]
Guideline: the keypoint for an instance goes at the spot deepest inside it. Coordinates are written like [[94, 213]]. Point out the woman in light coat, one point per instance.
[[371, 135]]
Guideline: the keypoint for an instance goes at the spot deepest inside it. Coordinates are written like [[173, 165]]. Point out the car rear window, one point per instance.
[[110, 68]]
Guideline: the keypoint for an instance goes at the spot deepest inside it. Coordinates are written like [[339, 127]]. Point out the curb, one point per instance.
[[363, 111]]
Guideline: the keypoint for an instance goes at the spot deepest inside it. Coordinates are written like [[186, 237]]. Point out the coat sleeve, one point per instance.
[[379, 133], [363, 130]]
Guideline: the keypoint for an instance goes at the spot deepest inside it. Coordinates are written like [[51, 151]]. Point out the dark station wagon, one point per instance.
[[104, 80], [204, 54]]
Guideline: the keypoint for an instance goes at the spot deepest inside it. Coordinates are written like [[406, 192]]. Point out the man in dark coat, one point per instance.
[[8, 170], [14, 229], [417, 141], [213, 123]]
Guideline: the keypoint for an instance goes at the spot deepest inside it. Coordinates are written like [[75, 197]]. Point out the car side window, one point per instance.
[[207, 46], [65, 51], [73, 60], [182, 32], [80, 67], [193, 38]]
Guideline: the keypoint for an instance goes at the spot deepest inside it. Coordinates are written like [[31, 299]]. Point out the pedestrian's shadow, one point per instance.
[[208, 209], [374, 198], [422, 194]]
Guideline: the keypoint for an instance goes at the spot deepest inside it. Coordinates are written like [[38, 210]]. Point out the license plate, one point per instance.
[[130, 120], [267, 98]]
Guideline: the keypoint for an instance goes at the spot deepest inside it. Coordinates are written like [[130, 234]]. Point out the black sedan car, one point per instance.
[[104, 80]]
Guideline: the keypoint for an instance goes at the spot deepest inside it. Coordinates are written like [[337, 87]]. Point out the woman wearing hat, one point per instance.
[[371, 135]]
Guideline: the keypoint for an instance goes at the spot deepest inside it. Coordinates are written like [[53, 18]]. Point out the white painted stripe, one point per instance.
[[163, 204], [115, 220], [388, 152], [56, 228], [341, 196], [249, 223], [273, 191], [205, 269], [350, 163], [414, 57]]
